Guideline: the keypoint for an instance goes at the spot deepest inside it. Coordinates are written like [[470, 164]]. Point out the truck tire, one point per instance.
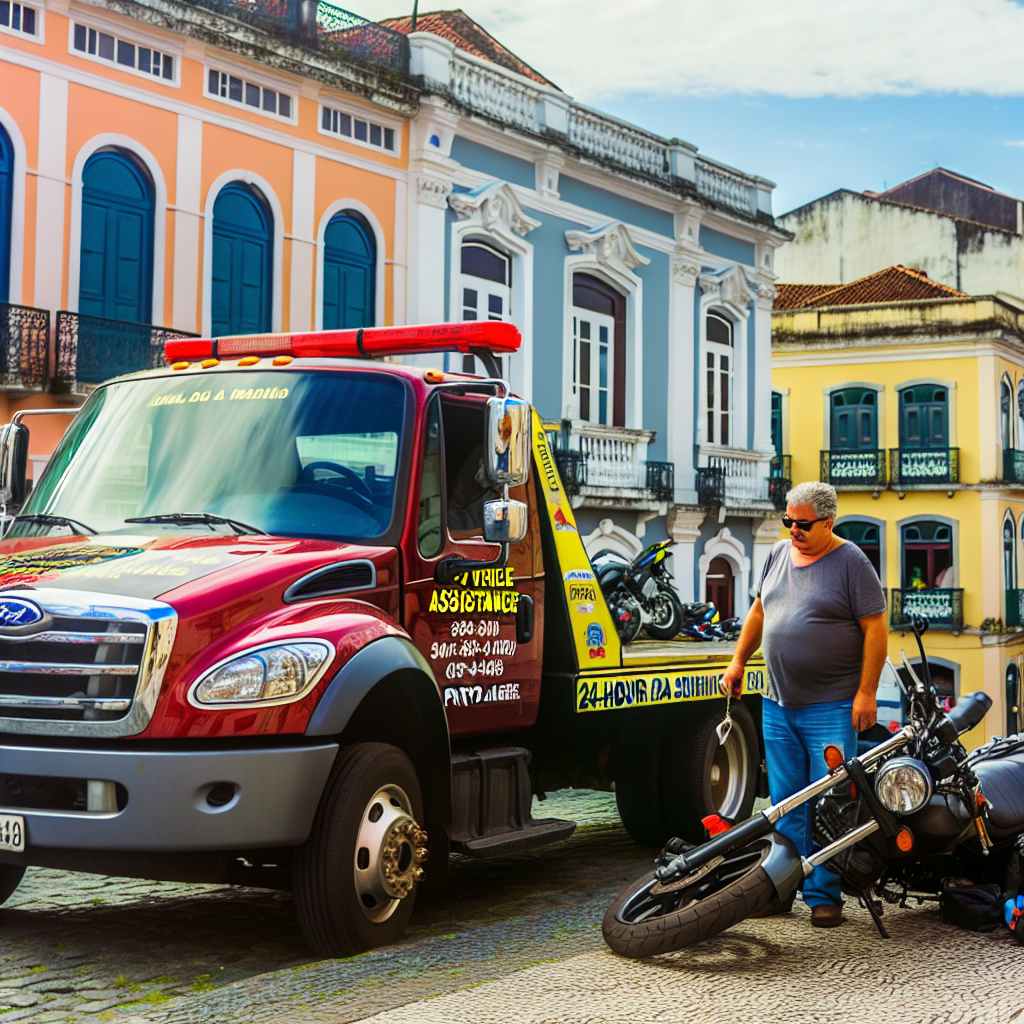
[[355, 878], [10, 878], [672, 772]]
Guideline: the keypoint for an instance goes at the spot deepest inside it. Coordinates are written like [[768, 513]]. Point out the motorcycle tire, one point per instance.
[[642, 923], [10, 878], [667, 612], [626, 616]]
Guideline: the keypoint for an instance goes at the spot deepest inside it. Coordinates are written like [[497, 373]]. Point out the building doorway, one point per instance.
[[720, 588]]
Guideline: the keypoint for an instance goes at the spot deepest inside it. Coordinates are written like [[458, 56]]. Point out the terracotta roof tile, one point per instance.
[[458, 28], [793, 295], [894, 284]]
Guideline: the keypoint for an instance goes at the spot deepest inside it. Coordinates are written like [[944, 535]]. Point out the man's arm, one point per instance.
[[876, 643], [749, 641]]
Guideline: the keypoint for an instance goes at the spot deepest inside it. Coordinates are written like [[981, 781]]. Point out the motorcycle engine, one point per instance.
[[859, 867]]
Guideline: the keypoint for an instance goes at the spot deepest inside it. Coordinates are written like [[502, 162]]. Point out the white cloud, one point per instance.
[[795, 48], [1014, 142]]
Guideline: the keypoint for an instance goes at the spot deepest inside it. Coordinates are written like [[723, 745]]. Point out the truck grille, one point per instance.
[[77, 670], [93, 668]]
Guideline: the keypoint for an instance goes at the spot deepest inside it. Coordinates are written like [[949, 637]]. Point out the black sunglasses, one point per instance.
[[802, 524]]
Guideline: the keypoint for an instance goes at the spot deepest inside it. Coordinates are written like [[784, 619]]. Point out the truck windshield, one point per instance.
[[289, 453]]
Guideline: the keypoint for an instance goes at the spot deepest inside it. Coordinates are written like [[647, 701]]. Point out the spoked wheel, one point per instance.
[[650, 918], [355, 878], [666, 616], [626, 615]]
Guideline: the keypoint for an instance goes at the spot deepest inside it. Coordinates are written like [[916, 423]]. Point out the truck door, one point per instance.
[[488, 669]]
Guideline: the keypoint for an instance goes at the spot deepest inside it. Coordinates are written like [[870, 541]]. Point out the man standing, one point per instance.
[[820, 620]]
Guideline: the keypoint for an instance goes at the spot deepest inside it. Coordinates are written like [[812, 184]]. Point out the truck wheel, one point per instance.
[[672, 772], [355, 877], [10, 878]]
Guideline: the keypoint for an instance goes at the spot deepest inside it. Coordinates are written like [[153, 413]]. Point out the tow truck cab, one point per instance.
[[281, 613]]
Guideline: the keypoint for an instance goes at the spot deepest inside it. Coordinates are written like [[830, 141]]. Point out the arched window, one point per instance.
[[924, 417], [777, 422], [1014, 711], [116, 276], [866, 536], [1020, 412], [854, 425], [1005, 415], [1009, 554], [350, 263], [720, 587], [599, 350], [927, 555], [486, 287], [720, 366], [243, 253], [6, 211]]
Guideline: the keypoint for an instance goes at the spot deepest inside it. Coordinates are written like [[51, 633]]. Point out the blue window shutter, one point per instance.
[[116, 260], [243, 252], [350, 257], [6, 209]]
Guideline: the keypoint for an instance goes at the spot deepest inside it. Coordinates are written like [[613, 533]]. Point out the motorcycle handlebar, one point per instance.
[[969, 711]]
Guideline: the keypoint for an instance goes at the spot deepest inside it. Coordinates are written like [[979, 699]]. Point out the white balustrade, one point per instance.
[[605, 138], [616, 456], [723, 186], [495, 94], [746, 480]]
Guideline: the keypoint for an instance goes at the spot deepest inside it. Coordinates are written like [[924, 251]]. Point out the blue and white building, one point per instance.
[[640, 273]]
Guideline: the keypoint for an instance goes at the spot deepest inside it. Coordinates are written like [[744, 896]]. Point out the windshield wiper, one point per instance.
[[197, 519], [45, 519]]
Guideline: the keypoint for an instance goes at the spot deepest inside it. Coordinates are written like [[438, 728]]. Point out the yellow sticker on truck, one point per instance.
[[650, 689]]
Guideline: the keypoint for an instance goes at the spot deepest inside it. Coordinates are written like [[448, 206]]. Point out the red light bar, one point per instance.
[[489, 335]]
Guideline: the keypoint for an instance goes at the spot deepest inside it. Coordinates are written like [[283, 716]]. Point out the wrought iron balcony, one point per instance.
[[923, 467], [572, 468], [780, 480], [710, 486], [24, 347], [661, 480], [943, 608], [322, 26], [92, 349], [1013, 466], [865, 469], [1015, 608]]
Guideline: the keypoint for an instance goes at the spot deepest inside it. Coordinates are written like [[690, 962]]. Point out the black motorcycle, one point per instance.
[[895, 823], [640, 593]]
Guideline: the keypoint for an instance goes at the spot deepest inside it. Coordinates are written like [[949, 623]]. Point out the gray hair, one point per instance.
[[821, 497]]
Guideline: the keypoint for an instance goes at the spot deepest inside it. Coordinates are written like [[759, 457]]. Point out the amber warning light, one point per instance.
[[366, 343]]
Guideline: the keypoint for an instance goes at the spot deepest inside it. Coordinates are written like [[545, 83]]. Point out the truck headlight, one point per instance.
[[904, 785], [274, 674]]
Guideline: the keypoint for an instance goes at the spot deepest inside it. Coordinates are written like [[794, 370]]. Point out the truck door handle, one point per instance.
[[524, 619]]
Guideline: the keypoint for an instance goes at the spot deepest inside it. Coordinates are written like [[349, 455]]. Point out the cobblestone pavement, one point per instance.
[[515, 938]]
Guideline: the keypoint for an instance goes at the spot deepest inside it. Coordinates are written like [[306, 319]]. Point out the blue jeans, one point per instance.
[[794, 741]]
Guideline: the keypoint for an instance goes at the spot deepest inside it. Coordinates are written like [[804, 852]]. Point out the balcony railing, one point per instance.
[[943, 608], [325, 27], [24, 347], [1015, 608], [910, 467], [92, 349], [1013, 465], [854, 469], [710, 486], [489, 92], [780, 480], [661, 480], [735, 481], [572, 468]]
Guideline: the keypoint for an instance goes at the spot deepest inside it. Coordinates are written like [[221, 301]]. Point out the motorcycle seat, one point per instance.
[[1002, 782]]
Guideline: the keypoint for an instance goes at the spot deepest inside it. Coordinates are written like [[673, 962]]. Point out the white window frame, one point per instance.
[[39, 36], [740, 318], [715, 352], [248, 78], [954, 532], [371, 120], [479, 284], [137, 39], [578, 312]]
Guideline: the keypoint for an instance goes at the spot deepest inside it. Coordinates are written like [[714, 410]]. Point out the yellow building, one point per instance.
[[908, 397]]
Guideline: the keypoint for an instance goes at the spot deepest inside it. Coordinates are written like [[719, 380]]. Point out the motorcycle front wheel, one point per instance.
[[648, 919], [666, 611], [626, 615]]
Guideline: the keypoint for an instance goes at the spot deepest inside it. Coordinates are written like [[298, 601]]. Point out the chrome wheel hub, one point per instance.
[[389, 853], [729, 773]]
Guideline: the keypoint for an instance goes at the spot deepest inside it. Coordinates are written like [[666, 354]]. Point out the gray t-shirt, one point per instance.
[[812, 642]]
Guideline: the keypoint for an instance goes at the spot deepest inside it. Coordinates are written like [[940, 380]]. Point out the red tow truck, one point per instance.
[[287, 613]]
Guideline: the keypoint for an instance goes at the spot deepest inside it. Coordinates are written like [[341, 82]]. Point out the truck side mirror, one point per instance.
[[13, 463], [505, 521], [507, 444]]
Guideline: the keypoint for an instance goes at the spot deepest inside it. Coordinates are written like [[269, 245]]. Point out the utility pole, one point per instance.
[[415, 12]]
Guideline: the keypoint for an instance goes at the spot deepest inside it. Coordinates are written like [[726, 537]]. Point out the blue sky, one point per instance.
[[814, 94]]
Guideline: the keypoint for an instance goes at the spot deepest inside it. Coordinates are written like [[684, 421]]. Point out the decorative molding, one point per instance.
[[766, 531], [685, 270], [496, 207], [548, 168], [730, 285], [432, 191], [611, 244], [683, 525], [766, 295], [609, 537]]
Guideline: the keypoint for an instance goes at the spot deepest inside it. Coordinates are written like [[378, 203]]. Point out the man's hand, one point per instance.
[[732, 680], [865, 711]]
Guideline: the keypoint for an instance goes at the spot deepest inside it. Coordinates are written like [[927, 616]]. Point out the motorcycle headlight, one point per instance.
[[903, 785], [275, 674]]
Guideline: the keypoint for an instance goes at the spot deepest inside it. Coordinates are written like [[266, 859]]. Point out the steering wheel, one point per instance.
[[354, 483]]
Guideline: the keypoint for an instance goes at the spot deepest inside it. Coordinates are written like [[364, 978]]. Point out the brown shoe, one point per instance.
[[775, 906], [827, 915]]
